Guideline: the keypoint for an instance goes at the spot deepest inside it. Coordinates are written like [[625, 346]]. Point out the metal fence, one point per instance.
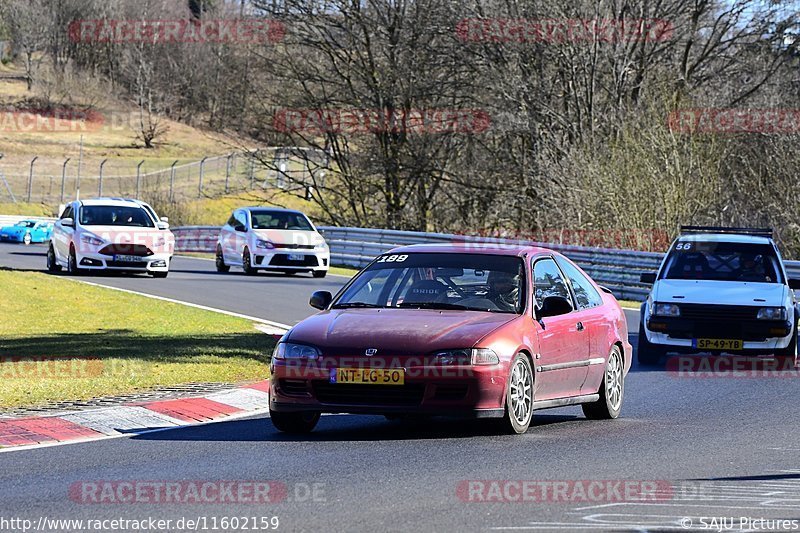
[[50, 181], [619, 270]]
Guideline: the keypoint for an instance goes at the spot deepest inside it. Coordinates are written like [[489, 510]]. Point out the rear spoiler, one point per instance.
[[605, 289], [759, 232]]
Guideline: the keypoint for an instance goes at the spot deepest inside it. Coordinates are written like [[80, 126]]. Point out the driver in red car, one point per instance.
[[503, 290]]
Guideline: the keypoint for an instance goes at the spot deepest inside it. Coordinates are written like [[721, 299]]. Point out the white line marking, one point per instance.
[[277, 325]]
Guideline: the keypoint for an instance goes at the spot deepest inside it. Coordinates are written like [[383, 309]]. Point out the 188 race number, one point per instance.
[[393, 258]]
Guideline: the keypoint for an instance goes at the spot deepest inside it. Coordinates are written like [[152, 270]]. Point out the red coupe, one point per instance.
[[455, 330]]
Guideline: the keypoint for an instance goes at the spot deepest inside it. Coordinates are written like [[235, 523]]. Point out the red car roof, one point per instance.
[[473, 248]]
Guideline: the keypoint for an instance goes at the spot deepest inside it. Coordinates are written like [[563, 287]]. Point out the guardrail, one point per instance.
[[616, 269], [355, 247]]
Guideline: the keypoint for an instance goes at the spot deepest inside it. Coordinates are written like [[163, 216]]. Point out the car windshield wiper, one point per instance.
[[432, 305], [355, 305]]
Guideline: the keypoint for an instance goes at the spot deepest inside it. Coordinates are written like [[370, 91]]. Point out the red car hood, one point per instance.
[[395, 331]]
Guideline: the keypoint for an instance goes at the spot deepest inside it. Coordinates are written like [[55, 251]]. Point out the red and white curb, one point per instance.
[[109, 422]]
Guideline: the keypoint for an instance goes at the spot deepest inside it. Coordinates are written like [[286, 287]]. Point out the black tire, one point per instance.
[[647, 354], [319, 273], [26, 239], [159, 274], [219, 260], [72, 264], [513, 421], [612, 390], [294, 422], [52, 264], [247, 266]]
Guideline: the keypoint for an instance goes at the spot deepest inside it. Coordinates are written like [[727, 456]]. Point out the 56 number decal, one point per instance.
[[393, 258]]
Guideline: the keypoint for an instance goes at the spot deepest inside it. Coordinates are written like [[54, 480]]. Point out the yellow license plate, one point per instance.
[[718, 344], [368, 376]]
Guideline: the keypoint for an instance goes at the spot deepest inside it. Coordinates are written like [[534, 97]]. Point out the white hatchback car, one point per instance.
[[111, 234], [266, 238], [720, 290]]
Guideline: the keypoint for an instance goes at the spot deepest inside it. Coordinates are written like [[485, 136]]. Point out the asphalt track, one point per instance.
[[719, 446]]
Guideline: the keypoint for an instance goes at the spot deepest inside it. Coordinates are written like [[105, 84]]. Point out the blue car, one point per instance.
[[27, 231]]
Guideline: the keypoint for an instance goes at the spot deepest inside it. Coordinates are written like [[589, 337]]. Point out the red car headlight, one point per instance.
[[289, 350], [468, 356]]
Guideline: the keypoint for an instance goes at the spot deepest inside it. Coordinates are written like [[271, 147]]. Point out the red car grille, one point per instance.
[[337, 393], [126, 249]]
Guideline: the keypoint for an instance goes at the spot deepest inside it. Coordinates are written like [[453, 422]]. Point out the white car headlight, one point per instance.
[[771, 313], [261, 243], [321, 246], [666, 309], [289, 350], [91, 240]]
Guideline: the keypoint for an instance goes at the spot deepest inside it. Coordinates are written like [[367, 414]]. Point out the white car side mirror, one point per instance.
[[162, 225]]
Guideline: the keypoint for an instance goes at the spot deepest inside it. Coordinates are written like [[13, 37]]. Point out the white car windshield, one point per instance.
[[113, 215], [723, 261], [268, 219]]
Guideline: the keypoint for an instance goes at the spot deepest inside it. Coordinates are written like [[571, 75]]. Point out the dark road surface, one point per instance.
[[719, 446]]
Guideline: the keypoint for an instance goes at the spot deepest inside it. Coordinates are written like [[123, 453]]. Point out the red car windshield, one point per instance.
[[493, 283]]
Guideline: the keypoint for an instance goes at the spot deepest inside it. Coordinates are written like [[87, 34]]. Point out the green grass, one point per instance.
[[107, 342], [630, 304], [25, 209]]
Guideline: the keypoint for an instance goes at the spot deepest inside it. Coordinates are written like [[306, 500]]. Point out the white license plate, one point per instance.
[[296, 257], [127, 258]]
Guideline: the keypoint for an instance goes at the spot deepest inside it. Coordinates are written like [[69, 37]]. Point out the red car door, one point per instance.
[[561, 364], [596, 322]]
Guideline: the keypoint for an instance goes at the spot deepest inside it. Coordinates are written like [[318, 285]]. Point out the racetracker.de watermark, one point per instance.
[[732, 366], [360, 121], [50, 367], [65, 120], [192, 492], [227, 31], [557, 31], [729, 120], [412, 367], [143, 243], [639, 239], [563, 491]]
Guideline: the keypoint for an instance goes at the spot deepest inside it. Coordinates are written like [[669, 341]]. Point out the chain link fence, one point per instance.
[[53, 182]]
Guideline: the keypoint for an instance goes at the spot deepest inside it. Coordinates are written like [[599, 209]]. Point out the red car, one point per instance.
[[457, 331]]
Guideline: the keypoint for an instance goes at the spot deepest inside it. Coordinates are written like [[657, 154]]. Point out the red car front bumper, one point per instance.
[[471, 391]]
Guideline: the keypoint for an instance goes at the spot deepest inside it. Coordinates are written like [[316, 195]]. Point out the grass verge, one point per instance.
[[62, 341]]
